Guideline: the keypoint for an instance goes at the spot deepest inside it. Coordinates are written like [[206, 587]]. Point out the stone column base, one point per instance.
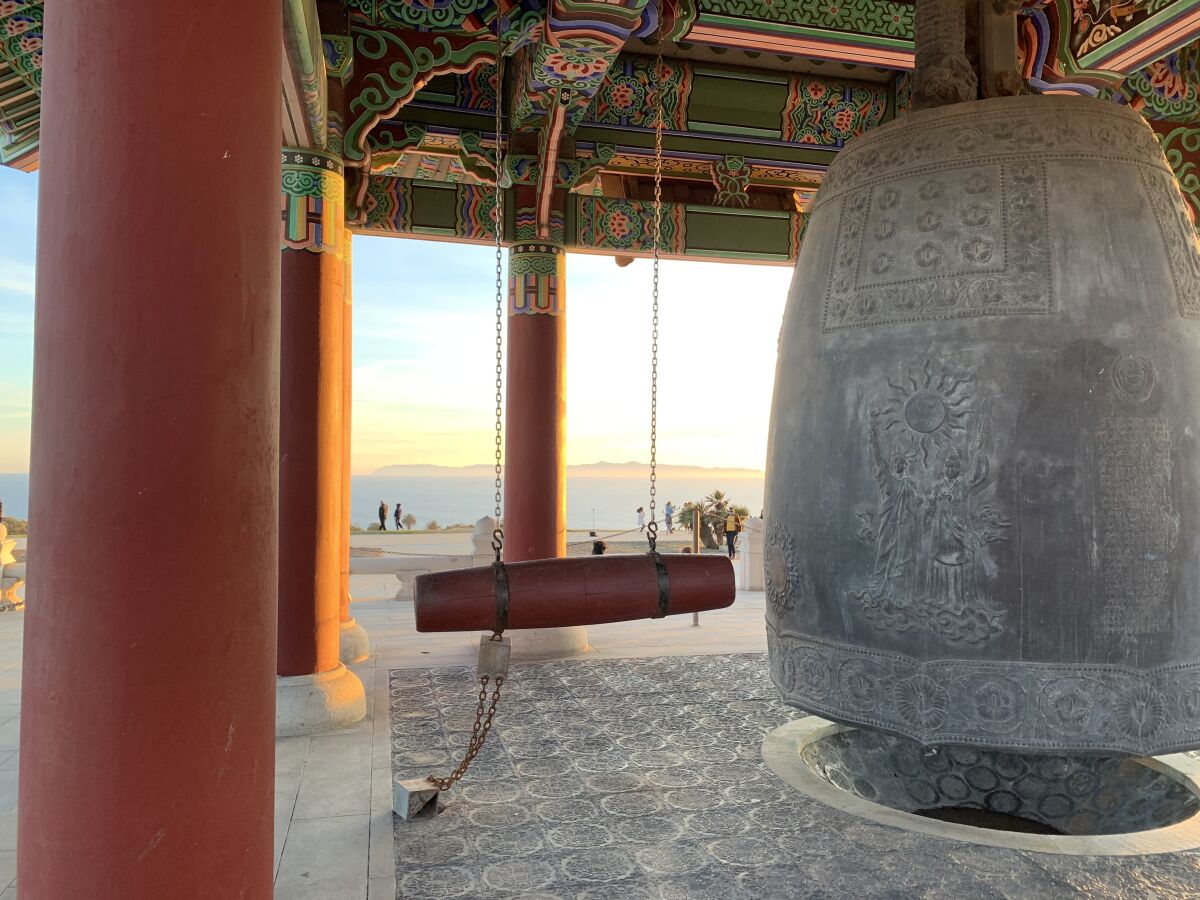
[[355, 645], [309, 704], [9, 600], [548, 643]]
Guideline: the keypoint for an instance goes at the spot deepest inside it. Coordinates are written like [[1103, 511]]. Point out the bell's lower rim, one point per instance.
[[1008, 705]]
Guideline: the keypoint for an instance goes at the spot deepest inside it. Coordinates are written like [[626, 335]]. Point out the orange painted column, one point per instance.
[[315, 691], [354, 643], [347, 402], [147, 732]]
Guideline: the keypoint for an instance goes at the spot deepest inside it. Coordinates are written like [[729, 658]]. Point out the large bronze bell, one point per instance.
[[983, 479]]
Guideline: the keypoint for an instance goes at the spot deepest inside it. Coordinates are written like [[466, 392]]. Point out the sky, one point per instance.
[[424, 352]]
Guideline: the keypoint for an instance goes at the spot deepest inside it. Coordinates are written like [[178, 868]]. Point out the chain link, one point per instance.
[[652, 530], [479, 733], [498, 227]]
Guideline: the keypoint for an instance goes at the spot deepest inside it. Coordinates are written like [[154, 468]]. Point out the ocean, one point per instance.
[[449, 500]]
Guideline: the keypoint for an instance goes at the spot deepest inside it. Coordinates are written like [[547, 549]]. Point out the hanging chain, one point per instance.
[[479, 733], [498, 227], [492, 651], [652, 530]]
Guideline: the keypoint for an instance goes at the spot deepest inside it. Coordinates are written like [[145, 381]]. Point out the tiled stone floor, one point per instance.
[[642, 778], [334, 835]]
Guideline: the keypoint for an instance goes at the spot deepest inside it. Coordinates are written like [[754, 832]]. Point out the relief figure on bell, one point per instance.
[[950, 551], [958, 540], [898, 541], [933, 527]]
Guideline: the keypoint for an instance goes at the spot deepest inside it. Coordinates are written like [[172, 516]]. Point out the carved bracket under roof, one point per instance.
[[392, 63], [391, 145], [475, 159], [407, 150], [390, 67], [579, 44]]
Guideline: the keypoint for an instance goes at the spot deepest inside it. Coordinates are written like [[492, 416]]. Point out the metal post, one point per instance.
[[695, 549]]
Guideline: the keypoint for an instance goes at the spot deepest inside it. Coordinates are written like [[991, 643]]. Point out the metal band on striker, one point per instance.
[[664, 586]]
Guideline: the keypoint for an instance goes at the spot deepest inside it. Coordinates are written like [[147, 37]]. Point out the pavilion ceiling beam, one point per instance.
[[618, 226], [20, 82], [1092, 49], [304, 84], [21, 39], [1167, 89], [860, 32]]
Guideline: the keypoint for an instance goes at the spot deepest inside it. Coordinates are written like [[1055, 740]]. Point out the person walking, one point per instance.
[[669, 517], [382, 516], [732, 526], [398, 515], [641, 513]]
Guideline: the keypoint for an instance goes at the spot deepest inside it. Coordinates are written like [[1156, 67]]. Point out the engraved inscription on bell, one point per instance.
[[1138, 525], [983, 479]]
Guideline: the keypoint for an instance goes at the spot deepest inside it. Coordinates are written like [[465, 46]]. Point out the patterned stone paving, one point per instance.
[[642, 778]]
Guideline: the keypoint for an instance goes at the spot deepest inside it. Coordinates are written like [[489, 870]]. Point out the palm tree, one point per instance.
[[713, 510]]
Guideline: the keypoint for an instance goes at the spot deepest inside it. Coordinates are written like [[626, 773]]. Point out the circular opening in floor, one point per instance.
[[1067, 795], [1067, 804]]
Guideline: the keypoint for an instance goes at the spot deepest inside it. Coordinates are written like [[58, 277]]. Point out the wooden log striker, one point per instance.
[[555, 593]]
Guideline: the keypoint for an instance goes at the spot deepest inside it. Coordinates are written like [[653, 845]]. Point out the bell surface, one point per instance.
[[982, 485]]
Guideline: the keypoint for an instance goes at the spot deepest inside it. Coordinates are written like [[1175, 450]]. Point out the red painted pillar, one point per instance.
[[535, 428], [147, 732], [535, 475], [315, 691]]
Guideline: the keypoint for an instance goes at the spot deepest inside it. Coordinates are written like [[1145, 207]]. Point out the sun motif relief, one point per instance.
[[782, 581], [932, 409]]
